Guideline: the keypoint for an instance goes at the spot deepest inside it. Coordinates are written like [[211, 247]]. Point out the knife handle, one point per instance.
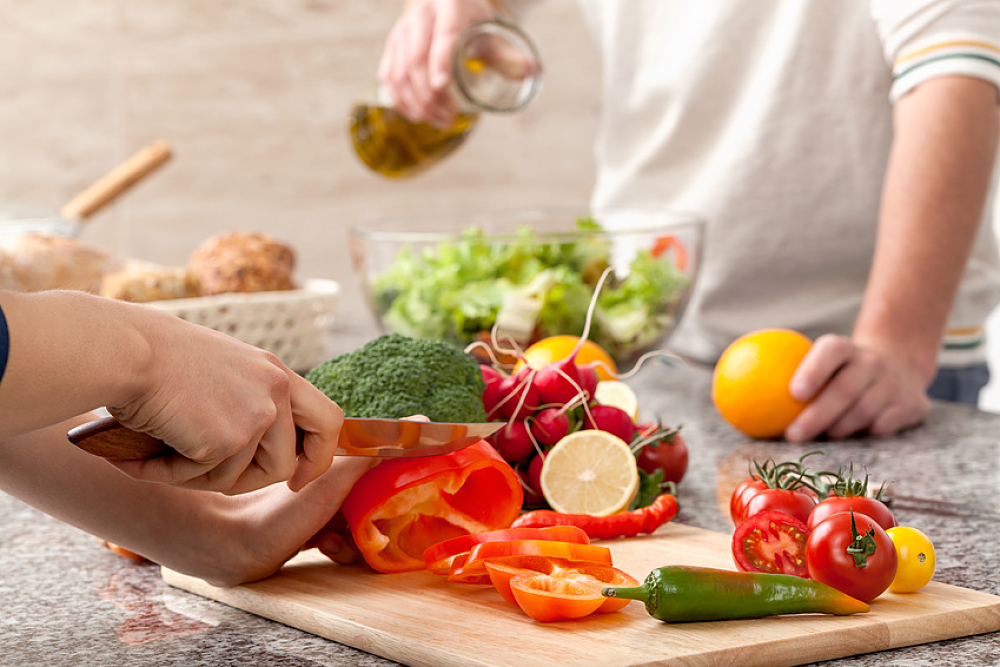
[[108, 438]]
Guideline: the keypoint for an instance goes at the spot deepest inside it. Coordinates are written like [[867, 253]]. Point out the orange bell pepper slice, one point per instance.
[[546, 598], [595, 576], [473, 569], [439, 558]]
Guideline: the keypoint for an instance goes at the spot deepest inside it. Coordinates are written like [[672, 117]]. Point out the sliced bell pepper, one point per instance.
[[402, 506], [438, 558], [473, 569], [546, 598], [596, 576]]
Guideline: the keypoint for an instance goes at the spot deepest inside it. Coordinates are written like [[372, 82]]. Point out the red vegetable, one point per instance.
[[624, 524], [612, 420], [438, 558], [771, 542], [549, 426], [473, 568], [798, 503], [669, 454], [402, 506], [851, 552], [744, 491], [512, 441]]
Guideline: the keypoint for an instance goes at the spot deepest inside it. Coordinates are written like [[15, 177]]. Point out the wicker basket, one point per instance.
[[295, 325]]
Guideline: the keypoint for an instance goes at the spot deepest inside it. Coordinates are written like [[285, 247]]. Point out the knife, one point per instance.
[[107, 438]]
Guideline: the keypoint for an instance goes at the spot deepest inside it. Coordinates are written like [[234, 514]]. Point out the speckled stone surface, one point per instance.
[[65, 601]]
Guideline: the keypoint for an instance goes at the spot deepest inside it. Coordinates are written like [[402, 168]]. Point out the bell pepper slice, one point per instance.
[[595, 576], [439, 558], [473, 570], [403, 506], [546, 598]]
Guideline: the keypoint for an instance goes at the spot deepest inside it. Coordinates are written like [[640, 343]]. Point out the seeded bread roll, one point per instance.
[[242, 262], [36, 262], [142, 285]]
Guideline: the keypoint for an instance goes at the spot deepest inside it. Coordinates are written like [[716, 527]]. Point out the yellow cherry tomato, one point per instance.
[[914, 559]]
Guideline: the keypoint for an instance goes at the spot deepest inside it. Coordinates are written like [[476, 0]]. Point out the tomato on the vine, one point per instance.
[[772, 542], [669, 455], [914, 559], [795, 502], [744, 491], [853, 554], [870, 507]]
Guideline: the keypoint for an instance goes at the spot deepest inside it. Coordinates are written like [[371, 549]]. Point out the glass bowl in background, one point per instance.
[[532, 275]]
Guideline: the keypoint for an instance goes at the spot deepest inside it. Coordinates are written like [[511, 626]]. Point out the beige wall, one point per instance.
[[253, 96]]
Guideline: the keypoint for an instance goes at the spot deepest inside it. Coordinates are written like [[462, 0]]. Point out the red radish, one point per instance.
[[491, 396], [518, 396], [532, 497], [535, 472], [558, 382], [611, 419], [490, 374], [588, 379], [513, 442], [549, 426]]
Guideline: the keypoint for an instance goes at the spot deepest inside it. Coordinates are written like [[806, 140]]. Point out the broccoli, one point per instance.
[[395, 376]]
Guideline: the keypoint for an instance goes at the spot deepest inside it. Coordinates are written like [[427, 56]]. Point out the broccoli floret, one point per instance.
[[395, 376]]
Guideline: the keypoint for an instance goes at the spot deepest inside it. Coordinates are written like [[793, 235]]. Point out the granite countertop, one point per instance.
[[66, 601]]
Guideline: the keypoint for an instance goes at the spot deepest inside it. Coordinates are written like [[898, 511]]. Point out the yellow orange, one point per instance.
[[750, 382], [554, 348]]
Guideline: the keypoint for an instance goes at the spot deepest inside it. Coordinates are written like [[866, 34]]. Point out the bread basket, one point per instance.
[[295, 325]]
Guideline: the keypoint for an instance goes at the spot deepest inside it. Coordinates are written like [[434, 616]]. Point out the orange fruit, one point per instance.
[[750, 382], [554, 348]]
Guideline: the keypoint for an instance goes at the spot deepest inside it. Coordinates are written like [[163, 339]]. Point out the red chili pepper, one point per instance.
[[623, 524], [402, 506]]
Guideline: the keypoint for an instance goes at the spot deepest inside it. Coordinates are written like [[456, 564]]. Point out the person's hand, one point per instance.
[[230, 411], [415, 69], [856, 390]]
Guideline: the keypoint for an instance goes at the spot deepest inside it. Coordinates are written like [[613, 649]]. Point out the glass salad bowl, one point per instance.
[[524, 275]]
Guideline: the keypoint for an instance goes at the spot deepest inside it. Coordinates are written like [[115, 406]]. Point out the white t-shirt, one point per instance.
[[772, 119]]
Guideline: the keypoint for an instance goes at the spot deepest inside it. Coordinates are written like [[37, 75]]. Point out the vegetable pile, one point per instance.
[[825, 526], [532, 289]]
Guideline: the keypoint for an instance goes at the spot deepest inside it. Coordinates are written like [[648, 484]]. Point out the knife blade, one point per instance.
[[108, 438]]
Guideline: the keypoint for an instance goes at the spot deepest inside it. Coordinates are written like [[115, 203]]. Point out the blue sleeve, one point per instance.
[[4, 343]]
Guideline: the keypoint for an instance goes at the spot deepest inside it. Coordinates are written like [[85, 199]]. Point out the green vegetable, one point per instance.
[[679, 593], [396, 376], [455, 292]]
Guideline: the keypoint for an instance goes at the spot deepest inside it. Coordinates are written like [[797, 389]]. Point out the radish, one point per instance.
[[549, 426], [518, 396], [535, 472], [611, 419], [490, 374], [513, 442]]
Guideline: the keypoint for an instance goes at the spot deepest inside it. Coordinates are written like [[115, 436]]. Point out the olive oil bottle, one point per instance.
[[395, 147], [495, 68]]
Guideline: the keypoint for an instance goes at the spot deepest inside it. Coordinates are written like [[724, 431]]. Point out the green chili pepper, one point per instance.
[[678, 593]]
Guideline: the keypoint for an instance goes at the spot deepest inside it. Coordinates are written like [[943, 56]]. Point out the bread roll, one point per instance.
[[242, 262]]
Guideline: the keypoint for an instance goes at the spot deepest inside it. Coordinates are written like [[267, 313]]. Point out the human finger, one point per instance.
[[320, 420], [840, 391], [827, 355]]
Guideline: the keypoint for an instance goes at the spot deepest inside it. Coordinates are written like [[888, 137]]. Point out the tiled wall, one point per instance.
[[253, 95]]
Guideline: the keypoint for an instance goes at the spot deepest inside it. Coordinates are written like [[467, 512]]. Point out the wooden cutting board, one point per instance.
[[421, 619]]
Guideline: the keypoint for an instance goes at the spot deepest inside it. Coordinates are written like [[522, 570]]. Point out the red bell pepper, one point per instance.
[[473, 568], [402, 506], [595, 576]]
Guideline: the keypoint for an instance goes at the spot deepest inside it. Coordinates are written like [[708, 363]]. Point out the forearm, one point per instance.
[[224, 539], [69, 353], [938, 176]]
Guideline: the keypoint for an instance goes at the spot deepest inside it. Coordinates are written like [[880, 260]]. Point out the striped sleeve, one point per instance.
[[925, 39], [4, 343]]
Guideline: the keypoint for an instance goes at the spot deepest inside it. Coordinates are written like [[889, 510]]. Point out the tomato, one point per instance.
[[473, 569], [749, 487], [864, 575], [914, 559], [546, 598], [671, 456], [798, 503], [772, 542], [870, 507], [596, 576], [439, 557]]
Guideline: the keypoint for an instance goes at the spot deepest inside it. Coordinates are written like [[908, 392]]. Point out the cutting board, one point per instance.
[[421, 619]]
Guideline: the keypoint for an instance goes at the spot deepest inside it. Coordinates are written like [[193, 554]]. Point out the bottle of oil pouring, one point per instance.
[[495, 68]]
